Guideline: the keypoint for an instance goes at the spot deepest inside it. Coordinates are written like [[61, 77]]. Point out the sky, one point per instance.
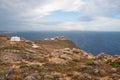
[[59, 15]]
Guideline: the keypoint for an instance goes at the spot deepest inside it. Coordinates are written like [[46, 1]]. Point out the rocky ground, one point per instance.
[[54, 60]]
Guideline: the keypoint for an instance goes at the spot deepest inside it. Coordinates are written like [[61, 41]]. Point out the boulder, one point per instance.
[[87, 69], [113, 70], [96, 71], [58, 61], [10, 71], [33, 76], [57, 75], [100, 72], [51, 77], [98, 63], [74, 50], [67, 49], [65, 56], [84, 76], [104, 57], [10, 74], [115, 76]]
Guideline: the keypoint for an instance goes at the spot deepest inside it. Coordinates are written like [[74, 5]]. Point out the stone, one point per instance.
[[96, 71], [97, 78], [102, 72], [33, 76], [9, 72], [76, 50], [49, 76], [87, 69], [65, 56], [57, 61], [115, 76], [84, 76], [96, 63], [57, 75], [67, 49], [113, 70]]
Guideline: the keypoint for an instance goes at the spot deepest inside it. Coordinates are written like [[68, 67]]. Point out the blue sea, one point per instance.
[[92, 42]]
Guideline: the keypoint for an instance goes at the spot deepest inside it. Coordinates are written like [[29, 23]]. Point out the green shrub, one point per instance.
[[75, 76], [78, 68], [116, 64], [90, 62], [70, 74], [75, 60], [2, 72], [48, 79]]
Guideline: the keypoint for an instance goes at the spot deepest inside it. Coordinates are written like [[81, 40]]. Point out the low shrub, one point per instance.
[[116, 64], [90, 62], [70, 74], [75, 60]]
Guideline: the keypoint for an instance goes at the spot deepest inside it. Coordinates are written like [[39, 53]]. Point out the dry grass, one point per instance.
[[57, 44]]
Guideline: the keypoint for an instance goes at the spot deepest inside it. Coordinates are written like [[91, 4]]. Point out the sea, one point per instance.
[[90, 41]]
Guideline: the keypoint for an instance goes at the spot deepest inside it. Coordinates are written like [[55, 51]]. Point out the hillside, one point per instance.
[[53, 60]]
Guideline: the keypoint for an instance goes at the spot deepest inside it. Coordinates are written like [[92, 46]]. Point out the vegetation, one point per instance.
[[116, 64], [90, 62], [37, 64]]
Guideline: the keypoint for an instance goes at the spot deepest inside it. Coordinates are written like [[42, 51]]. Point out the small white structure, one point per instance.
[[52, 38], [34, 46], [15, 39], [46, 39]]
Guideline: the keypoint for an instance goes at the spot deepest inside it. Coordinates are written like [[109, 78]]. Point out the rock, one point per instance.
[[99, 72], [84, 76], [115, 76], [51, 77], [104, 57], [113, 70], [58, 61], [90, 56], [102, 72], [10, 71], [98, 63], [10, 74], [56, 75], [33, 76], [97, 78], [74, 50], [9, 57], [116, 59], [96, 71], [67, 49], [87, 69], [65, 56], [30, 78], [67, 52]]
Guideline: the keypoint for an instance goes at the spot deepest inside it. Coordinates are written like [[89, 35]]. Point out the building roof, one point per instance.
[[15, 38]]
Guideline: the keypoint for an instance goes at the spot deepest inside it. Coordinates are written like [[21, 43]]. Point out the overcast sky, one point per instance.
[[40, 15]]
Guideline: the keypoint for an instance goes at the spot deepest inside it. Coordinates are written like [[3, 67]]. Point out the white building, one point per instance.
[[15, 39], [52, 38], [46, 39], [34, 46]]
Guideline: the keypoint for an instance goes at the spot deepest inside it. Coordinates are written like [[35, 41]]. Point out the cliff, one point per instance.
[[54, 60]]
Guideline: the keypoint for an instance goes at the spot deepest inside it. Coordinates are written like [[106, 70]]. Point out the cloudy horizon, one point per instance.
[[60, 15]]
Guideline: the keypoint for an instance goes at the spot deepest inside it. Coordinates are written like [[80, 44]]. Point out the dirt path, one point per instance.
[[32, 63]]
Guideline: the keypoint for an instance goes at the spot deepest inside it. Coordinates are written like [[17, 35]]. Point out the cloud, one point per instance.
[[29, 15], [95, 8], [39, 8], [106, 24], [97, 24]]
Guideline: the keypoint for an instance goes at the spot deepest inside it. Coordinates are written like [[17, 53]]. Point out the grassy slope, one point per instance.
[[57, 44], [29, 62]]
